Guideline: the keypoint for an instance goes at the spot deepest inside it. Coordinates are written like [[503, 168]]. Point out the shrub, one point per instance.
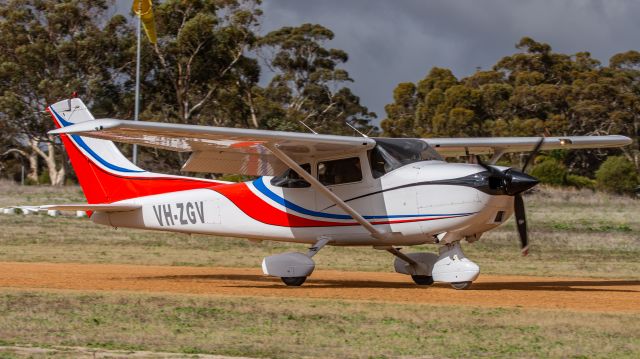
[[44, 178], [550, 171], [581, 181], [617, 174]]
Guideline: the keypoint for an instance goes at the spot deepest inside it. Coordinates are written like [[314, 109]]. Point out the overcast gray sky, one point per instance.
[[392, 41]]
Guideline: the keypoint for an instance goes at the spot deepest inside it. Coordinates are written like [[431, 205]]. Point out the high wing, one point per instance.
[[221, 149], [247, 151], [452, 147]]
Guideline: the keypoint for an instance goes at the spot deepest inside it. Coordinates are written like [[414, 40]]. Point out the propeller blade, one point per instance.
[[486, 166], [533, 154], [521, 223], [493, 170]]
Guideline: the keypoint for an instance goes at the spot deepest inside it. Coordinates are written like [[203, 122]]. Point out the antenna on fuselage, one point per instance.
[[355, 129], [308, 128]]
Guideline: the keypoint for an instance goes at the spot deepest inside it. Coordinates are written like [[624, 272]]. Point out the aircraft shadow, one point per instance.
[[559, 285], [562, 285]]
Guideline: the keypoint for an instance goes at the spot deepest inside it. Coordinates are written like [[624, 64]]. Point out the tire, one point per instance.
[[293, 281], [422, 279], [461, 285]]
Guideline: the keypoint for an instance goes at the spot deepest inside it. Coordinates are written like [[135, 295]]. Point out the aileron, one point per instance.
[[488, 145]]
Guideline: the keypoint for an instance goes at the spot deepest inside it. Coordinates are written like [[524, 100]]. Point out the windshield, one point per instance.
[[392, 153]]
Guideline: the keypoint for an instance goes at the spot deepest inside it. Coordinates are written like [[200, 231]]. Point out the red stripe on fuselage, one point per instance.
[[254, 207]]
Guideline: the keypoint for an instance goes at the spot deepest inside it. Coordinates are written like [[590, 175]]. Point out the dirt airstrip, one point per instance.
[[575, 294]]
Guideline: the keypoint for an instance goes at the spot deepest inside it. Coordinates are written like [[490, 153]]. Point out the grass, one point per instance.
[[573, 233], [299, 328]]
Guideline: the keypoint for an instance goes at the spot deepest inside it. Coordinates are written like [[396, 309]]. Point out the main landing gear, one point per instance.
[[450, 266], [422, 279], [293, 268]]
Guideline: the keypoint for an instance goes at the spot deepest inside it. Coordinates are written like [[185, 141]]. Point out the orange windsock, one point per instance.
[[144, 9]]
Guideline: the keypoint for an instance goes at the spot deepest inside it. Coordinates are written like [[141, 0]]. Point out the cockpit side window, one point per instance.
[[345, 170], [291, 179], [392, 153]]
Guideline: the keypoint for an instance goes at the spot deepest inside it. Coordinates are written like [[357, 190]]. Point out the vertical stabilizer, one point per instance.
[[104, 173]]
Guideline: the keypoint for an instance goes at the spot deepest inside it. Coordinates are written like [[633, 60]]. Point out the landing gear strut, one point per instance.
[[417, 265]]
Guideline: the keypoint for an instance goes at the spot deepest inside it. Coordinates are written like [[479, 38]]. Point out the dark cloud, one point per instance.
[[393, 41]]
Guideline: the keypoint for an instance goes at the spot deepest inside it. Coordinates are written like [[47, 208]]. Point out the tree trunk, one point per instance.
[[32, 157], [254, 118], [57, 174], [634, 149], [33, 174]]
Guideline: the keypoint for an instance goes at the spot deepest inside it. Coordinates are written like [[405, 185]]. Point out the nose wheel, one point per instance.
[[461, 285], [293, 281]]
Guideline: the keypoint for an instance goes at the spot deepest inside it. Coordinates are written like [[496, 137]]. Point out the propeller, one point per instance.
[[521, 223], [533, 154], [513, 183]]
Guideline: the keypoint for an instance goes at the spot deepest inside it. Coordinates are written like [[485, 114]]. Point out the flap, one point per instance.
[[229, 161]]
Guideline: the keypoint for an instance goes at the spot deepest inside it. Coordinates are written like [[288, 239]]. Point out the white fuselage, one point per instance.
[[405, 203]]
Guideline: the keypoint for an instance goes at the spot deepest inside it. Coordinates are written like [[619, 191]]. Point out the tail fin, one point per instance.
[[104, 173]]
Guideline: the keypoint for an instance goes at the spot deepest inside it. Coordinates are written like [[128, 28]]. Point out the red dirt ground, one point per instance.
[[574, 294]]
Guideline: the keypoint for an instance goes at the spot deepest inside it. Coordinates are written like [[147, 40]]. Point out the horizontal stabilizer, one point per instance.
[[91, 207]]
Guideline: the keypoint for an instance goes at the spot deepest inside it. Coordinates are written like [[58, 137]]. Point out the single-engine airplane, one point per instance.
[[313, 188]]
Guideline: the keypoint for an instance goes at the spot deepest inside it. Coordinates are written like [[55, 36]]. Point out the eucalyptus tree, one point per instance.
[[308, 85], [203, 71], [532, 92], [48, 50]]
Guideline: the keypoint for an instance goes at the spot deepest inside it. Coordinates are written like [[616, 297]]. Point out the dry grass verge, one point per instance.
[[295, 328]]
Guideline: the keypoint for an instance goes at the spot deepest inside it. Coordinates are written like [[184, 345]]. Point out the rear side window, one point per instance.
[[340, 171]]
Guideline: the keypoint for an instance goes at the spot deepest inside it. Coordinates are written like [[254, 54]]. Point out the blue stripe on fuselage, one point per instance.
[[260, 186]]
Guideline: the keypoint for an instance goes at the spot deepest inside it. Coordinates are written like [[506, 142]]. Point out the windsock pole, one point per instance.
[[137, 99], [144, 10]]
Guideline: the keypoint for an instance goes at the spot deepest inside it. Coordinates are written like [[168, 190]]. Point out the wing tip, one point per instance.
[[88, 126]]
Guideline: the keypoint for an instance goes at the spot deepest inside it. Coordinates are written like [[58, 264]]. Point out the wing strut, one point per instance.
[[325, 191]]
